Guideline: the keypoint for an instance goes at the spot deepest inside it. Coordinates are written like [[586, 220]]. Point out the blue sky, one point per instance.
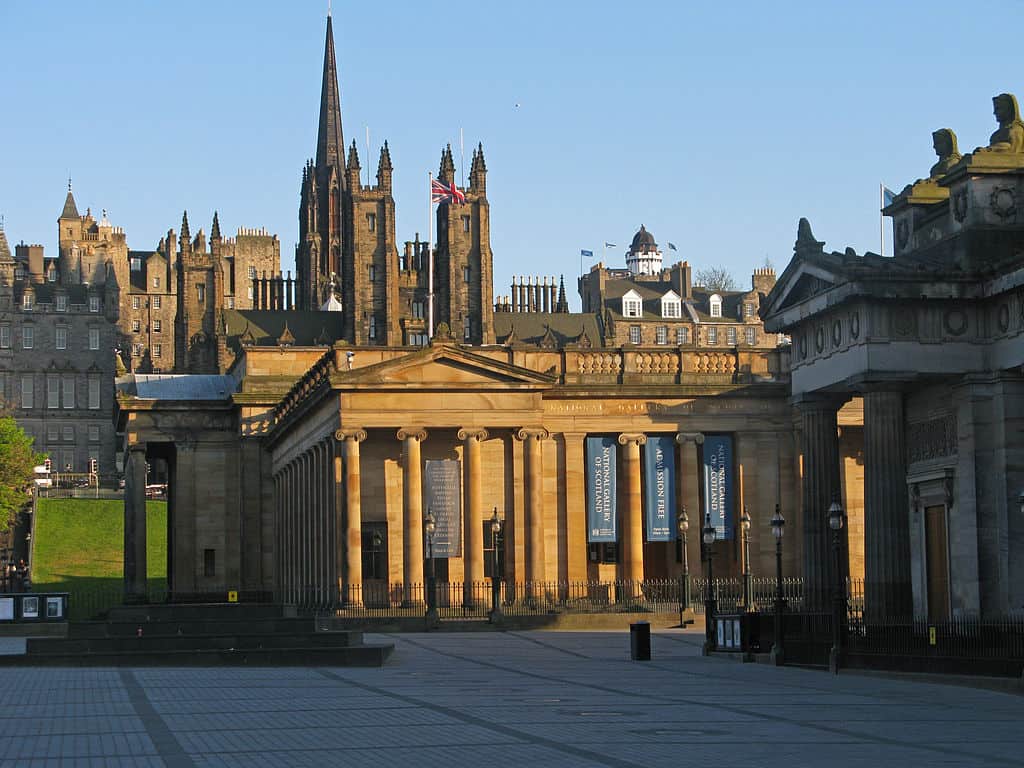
[[715, 125]]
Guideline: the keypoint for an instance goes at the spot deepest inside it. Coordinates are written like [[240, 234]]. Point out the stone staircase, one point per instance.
[[201, 635]]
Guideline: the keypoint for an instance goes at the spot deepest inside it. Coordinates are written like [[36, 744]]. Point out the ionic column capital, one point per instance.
[[690, 437], [415, 433], [629, 437], [356, 435], [536, 433], [473, 433]]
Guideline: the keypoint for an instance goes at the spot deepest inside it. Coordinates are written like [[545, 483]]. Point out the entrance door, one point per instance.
[[937, 558]]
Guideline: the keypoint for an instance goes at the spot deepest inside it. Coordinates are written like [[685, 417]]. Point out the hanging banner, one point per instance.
[[442, 483], [718, 483], [601, 489], [660, 490]]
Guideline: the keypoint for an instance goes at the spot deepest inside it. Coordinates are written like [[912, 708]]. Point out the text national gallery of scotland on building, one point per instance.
[[316, 432]]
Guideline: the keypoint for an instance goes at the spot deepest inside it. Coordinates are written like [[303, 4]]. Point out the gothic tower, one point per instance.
[[321, 223], [200, 276]]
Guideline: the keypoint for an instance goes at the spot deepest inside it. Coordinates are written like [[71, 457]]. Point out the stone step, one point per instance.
[[348, 656], [195, 611], [173, 628], [155, 643]]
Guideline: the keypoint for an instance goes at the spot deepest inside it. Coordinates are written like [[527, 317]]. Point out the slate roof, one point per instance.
[[542, 329], [651, 291], [263, 327], [165, 386], [70, 209]]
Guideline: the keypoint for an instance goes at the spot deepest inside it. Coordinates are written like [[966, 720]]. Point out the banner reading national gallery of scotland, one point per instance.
[[718, 484], [600, 480], [660, 491]]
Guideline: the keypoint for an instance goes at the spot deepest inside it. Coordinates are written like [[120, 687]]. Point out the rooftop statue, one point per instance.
[[1010, 135], [944, 141]]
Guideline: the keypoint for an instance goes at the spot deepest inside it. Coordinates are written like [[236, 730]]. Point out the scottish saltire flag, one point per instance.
[[443, 193], [610, 245], [672, 247], [887, 196], [588, 254]]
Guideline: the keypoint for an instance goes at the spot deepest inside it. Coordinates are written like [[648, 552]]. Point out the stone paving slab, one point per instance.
[[533, 699]]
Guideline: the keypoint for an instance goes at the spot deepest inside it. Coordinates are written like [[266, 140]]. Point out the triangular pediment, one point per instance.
[[802, 281], [446, 366]]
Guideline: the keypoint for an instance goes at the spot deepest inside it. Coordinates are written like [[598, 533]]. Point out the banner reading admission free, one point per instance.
[[718, 483], [601, 465], [660, 491]]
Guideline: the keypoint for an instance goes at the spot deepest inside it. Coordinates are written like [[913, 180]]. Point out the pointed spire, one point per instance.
[[384, 169], [215, 229], [446, 172], [353, 156], [185, 238], [385, 158], [562, 305], [5, 249], [478, 171], [70, 209], [330, 142]]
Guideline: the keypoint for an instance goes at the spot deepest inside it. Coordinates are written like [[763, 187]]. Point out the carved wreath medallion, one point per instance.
[[1003, 201], [960, 205]]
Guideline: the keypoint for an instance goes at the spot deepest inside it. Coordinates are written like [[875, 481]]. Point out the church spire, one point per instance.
[[330, 143], [70, 209]]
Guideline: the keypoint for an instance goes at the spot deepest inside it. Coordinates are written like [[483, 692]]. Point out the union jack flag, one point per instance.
[[442, 193]]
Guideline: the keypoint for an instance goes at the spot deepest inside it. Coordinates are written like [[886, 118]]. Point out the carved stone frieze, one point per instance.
[[932, 439]]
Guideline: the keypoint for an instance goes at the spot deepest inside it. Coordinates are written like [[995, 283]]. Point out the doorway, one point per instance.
[[937, 562]]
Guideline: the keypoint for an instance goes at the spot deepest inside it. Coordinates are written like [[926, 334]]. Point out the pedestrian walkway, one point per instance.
[[525, 699]]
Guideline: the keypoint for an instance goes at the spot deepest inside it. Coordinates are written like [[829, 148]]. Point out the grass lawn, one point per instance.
[[78, 548]]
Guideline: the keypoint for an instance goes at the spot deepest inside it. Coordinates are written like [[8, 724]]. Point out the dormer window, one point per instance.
[[716, 305], [748, 309], [94, 303], [135, 264], [632, 305], [19, 272], [671, 306], [51, 274], [62, 302], [26, 300]]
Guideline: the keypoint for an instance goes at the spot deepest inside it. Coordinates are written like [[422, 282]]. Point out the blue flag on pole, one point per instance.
[[610, 245], [887, 196], [672, 247], [588, 254]]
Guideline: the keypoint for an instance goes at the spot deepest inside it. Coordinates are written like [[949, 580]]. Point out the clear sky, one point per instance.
[[717, 125]]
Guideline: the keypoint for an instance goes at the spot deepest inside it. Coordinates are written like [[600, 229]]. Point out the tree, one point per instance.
[[715, 279], [17, 468]]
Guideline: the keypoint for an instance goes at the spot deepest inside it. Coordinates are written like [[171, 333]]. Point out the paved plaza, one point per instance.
[[531, 699]]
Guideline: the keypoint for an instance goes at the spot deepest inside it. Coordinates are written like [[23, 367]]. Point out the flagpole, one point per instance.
[[881, 216], [430, 255], [462, 158]]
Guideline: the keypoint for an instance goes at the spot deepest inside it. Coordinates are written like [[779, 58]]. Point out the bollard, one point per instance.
[[640, 641]]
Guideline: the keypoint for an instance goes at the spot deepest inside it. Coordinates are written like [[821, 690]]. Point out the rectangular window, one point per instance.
[[201, 293], [52, 391], [682, 335], [467, 275], [231, 302], [751, 336], [634, 334], [28, 337], [61, 337], [136, 264], [136, 326], [158, 350], [730, 337], [51, 275], [252, 273], [632, 308], [136, 350], [748, 309], [94, 338], [26, 392], [52, 434], [69, 392], [465, 223], [62, 303], [417, 309], [157, 326], [467, 328], [156, 282], [250, 294], [418, 340], [94, 433], [209, 563], [375, 550], [5, 336], [135, 302], [372, 272], [373, 327], [670, 309], [26, 301], [94, 303], [661, 335], [156, 302], [712, 335], [67, 433], [371, 222], [94, 393]]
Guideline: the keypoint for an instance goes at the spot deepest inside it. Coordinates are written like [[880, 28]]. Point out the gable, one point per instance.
[[443, 367]]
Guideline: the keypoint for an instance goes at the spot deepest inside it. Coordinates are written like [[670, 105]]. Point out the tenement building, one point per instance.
[[932, 341]]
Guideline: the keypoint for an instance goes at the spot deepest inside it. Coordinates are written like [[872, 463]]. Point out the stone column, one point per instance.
[[412, 513], [533, 461], [887, 583], [354, 516], [689, 497], [135, 525], [632, 569], [575, 552], [473, 536], [338, 509], [821, 486]]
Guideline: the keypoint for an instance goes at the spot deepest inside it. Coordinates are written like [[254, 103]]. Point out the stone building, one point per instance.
[[650, 305], [56, 359], [931, 341], [347, 251]]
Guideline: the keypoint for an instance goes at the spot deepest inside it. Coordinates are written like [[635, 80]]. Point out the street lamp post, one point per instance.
[[835, 522], [778, 524], [683, 523], [709, 592], [748, 595], [430, 526], [495, 575]]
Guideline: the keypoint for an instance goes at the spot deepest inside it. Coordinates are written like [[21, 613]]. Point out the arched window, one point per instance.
[[716, 305]]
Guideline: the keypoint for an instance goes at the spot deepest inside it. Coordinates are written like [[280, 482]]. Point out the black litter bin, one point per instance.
[[640, 641]]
